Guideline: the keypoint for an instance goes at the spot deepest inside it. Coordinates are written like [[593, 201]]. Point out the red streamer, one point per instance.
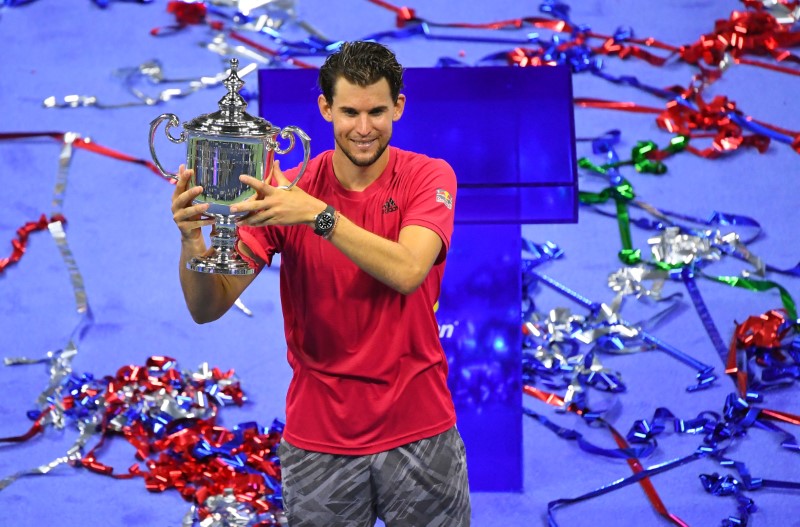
[[781, 416], [764, 331], [35, 429], [407, 15], [744, 33], [612, 47], [20, 243], [190, 455], [86, 144], [710, 120], [188, 13]]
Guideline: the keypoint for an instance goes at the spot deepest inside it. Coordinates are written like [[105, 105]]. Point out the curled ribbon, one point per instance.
[[20, 243]]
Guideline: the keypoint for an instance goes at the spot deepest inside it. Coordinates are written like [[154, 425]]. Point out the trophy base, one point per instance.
[[223, 258], [234, 266]]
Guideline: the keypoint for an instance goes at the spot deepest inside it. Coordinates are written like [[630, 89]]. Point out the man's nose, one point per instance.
[[362, 126]]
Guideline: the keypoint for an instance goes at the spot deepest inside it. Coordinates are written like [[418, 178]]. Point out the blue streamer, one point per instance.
[[651, 471], [687, 275], [718, 431], [556, 9], [588, 447], [729, 486], [644, 430], [543, 252], [634, 82], [754, 127]]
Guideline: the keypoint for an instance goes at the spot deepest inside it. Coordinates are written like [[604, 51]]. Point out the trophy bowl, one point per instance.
[[220, 147]]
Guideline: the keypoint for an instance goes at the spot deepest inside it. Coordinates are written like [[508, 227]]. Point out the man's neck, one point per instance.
[[356, 178]]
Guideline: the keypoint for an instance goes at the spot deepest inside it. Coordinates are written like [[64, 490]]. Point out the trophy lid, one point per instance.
[[232, 119]]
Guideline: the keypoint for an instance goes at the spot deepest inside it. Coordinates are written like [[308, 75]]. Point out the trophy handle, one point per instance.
[[173, 121], [287, 133]]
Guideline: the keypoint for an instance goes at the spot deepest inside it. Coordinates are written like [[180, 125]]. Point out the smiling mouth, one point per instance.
[[363, 144]]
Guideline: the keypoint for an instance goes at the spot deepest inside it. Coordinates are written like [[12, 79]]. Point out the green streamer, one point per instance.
[[585, 163], [642, 163], [639, 157], [761, 286], [678, 144], [621, 194], [645, 164]]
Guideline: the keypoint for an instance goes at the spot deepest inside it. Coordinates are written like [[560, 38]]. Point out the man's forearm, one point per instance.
[[401, 265], [208, 296]]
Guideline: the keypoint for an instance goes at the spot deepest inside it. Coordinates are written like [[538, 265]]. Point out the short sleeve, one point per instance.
[[263, 242], [431, 199]]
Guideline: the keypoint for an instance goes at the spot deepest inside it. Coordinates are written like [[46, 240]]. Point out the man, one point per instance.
[[370, 424]]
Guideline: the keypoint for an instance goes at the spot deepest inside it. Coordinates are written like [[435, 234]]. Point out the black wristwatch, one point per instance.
[[325, 221]]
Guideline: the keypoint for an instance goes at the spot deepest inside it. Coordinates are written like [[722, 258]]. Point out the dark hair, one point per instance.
[[363, 64]]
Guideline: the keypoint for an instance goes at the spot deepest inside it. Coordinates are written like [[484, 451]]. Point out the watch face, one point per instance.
[[325, 221]]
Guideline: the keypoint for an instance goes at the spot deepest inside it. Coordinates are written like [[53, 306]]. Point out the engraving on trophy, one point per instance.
[[218, 165]]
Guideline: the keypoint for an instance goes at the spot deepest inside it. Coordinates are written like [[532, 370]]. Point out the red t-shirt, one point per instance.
[[369, 371]]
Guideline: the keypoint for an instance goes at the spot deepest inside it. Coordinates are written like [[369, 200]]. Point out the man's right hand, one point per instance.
[[188, 217]]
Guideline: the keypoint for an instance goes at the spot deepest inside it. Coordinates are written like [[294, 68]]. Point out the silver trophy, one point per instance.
[[220, 147]]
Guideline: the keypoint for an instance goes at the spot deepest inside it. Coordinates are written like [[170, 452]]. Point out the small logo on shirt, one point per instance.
[[389, 206], [442, 196]]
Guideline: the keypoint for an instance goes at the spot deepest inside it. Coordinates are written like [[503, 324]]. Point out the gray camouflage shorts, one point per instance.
[[419, 484]]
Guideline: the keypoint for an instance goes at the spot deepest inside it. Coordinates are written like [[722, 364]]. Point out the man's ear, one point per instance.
[[324, 108], [399, 106]]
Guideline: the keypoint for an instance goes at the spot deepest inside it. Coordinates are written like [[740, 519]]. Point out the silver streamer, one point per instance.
[[151, 71], [245, 7], [219, 44], [561, 326], [673, 248], [730, 244], [243, 308], [275, 14], [61, 361], [629, 281], [225, 511], [260, 16], [38, 471], [782, 13]]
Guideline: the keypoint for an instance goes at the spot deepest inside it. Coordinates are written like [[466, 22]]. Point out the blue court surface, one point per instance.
[[628, 326]]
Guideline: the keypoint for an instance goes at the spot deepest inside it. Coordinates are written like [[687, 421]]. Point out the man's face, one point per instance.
[[362, 119]]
